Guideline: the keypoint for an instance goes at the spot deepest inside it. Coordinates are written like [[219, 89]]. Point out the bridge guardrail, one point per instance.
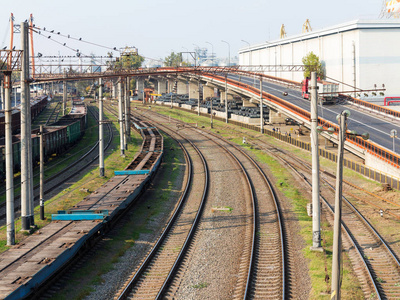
[[385, 155], [351, 164]]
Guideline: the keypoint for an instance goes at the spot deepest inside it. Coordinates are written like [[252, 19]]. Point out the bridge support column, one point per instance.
[[140, 89], [181, 88], [170, 85], [162, 86], [222, 96], [208, 92], [276, 117], [247, 103], [193, 90]]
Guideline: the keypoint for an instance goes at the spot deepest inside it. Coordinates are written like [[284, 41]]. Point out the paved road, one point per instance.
[[378, 128]]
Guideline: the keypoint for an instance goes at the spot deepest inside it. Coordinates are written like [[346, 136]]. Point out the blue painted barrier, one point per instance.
[[132, 172], [79, 215]]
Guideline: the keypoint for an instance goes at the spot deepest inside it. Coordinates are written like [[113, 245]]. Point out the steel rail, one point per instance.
[[252, 192], [274, 196], [278, 213], [347, 230], [190, 236], [124, 294]]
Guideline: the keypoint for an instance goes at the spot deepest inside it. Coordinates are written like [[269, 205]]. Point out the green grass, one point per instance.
[[73, 194], [201, 285]]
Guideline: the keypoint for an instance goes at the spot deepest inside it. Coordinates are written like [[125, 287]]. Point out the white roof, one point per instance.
[[352, 25]]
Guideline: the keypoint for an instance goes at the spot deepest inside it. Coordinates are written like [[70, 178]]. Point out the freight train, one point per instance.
[[37, 105], [57, 137]]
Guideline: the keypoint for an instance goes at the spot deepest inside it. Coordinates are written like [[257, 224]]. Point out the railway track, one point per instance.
[[266, 276], [113, 199], [374, 262], [156, 272], [64, 175], [262, 271]]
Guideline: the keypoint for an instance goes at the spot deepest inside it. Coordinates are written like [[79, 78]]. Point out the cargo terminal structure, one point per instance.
[[359, 53]]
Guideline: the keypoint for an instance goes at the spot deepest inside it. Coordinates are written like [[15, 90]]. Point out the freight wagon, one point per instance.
[[57, 138], [37, 105]]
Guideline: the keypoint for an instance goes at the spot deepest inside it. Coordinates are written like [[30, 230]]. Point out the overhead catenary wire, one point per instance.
[[74, 38], [38, 31]]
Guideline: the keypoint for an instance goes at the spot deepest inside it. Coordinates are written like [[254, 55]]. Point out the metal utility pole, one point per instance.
[[29, 131], [315, 165], [64, 97], [41, 173], [171, 96], [211, 114], [126, 118], [101, 130], [121, 118], [226, 98], [128, 110], [337, 234], [25, 131], [2, 94], [198, 102], [261, 107]]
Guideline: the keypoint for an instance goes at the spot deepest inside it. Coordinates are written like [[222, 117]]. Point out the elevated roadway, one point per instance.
[[377, 123]]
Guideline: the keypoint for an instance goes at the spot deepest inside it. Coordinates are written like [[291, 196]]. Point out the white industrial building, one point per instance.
[[360, 53]]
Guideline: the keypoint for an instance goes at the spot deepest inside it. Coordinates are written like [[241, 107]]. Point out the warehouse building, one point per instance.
[[361, 53]]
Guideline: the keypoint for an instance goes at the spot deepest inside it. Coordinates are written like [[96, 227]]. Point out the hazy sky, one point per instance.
[[157, 27]]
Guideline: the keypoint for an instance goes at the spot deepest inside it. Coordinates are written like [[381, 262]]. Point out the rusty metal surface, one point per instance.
[[10, 60]]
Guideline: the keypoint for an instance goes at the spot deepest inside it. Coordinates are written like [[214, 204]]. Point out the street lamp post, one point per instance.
[[229, 52], [212, 53]]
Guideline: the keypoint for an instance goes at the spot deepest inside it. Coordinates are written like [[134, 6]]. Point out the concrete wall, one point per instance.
[[193, 90], [243, 119], [161, 86], [378, 164], [182, 87], [207, 92], [360, 52], [140, 88]]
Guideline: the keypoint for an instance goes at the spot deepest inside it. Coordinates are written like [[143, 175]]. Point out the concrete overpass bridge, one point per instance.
[[244, 81]]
